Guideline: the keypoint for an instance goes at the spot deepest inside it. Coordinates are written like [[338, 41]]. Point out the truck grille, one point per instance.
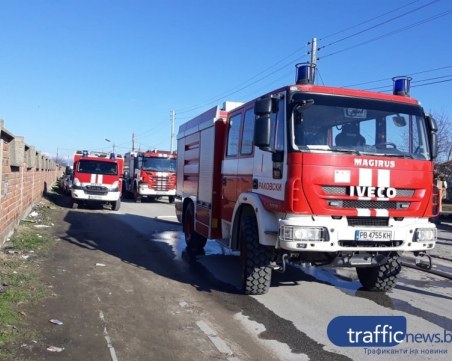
[[341, 190], [343, 200], [96, 190], [160, 183], [368, 221], [370, 244]]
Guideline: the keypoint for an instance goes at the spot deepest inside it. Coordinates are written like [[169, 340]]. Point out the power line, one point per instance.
[[380, 24], [437, 16], [415, 83], [366, 21], [386, 79], [245, 84]]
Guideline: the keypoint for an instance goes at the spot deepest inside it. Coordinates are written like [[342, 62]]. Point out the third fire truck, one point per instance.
[[311, 174], [150, 174]]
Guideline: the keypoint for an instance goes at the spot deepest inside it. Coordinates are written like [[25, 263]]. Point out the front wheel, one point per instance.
[[116, 205], [74, 204], [381, 278], [195, 242], [255, 259]]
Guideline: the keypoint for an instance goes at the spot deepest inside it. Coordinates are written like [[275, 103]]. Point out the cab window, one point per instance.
[[233, 136], [248, 130]]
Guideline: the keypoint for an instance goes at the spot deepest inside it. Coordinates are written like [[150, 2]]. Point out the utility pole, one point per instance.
[[173, 117], [133, 142], [313, 57]]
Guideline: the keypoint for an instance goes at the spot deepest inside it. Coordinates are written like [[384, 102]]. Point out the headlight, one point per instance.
[[115, 186], [76, 184], [305, 234], [425, 235]]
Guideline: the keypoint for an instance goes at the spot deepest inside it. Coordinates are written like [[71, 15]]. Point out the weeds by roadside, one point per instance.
[[20, 276]]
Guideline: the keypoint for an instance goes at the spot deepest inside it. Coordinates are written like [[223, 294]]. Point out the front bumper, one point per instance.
[[144, 190], [326, 234], [80, 194]]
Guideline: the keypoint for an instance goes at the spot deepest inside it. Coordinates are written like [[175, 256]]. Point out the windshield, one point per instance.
[[97, 167], [345, 124], [159, 164]]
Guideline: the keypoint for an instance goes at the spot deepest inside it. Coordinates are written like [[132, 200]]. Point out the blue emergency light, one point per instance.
[[112, 156], [85, 153], [401, 85], [304, 73]]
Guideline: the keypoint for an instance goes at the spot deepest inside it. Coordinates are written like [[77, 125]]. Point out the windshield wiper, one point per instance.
[[346, 150]]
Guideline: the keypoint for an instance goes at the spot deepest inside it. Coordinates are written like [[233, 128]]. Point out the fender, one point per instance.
[[267, 222]]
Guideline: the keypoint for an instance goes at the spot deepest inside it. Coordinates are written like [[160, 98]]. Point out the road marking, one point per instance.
[[108, 339], [219, 344]]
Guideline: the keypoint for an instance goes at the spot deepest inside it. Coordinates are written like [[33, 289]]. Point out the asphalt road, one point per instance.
[[125, 289]]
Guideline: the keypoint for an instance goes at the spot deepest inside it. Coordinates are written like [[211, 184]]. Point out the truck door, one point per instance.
[[230, 166], [269, 169]]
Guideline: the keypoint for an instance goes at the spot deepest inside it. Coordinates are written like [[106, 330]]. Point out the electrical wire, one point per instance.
[[379, 24], [386, 79], [366, 21], [437, 16]]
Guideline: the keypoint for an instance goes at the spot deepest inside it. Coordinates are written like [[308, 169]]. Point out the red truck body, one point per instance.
[[97, 179], [311, 174], [150, 174]]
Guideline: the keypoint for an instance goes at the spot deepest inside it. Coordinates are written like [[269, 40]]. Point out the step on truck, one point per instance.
[[311, 174], [97, 179], [150, 174]]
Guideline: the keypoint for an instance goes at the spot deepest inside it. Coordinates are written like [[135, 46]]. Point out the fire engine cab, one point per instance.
[[312, 174], [97, 179], [150, 174]]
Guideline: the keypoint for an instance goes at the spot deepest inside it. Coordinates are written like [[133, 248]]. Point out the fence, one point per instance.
[[25, 175]]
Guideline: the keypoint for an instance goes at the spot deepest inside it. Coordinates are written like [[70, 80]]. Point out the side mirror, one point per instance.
[[263, 106], [125, 174], [262, 132], [433, 137]]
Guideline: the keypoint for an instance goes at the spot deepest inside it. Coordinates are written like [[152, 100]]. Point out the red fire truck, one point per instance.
[[97, 179], [312, 174], [150, 174]]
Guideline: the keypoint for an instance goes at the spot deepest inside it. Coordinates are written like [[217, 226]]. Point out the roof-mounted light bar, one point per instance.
[[304, 73], [401, 85]]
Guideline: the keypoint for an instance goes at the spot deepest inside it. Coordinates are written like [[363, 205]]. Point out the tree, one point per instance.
[[444, 136]]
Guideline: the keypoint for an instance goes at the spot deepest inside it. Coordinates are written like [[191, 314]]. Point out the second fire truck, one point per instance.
[[150, 174], [97, 179], [311, 174]]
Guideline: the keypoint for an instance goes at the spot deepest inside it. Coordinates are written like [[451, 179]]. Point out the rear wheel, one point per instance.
[[195, 242], [255, 259], [380, 278], [136, 195]]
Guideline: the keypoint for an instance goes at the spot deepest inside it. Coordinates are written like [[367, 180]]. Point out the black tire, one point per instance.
[[380, 278], [171, 199], [116, 205], [136, 195], [255, 259], [195, 242], [74, 204]]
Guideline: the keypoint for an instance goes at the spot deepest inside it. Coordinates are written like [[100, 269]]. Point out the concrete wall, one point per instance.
[[25, 175]]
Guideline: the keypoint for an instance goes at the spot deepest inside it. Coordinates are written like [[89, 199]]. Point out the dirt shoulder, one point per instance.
[[120, 296]]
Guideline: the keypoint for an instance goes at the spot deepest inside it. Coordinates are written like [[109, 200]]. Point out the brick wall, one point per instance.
[[25, 175]]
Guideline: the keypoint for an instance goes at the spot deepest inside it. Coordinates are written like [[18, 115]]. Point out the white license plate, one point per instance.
[[373, 235], [94, 197]]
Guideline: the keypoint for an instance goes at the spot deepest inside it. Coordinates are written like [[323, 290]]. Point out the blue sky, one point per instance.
[[76, 72]]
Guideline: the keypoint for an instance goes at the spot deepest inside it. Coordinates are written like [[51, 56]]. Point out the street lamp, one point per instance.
[[109, 141]]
